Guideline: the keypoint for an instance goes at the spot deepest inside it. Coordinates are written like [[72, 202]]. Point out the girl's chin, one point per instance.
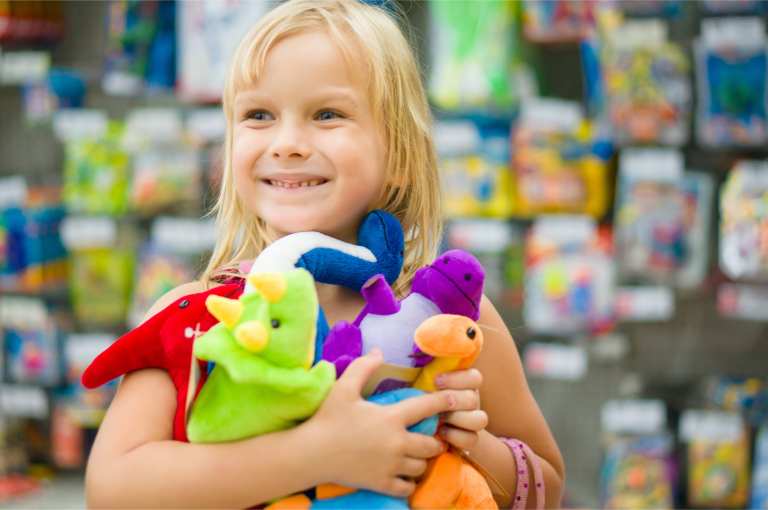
[[283, 226]]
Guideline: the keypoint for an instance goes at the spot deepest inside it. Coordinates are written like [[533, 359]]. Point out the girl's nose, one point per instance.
[[289, 142]]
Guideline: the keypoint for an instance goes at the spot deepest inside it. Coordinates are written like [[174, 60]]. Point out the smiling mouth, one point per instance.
[[310, 183]]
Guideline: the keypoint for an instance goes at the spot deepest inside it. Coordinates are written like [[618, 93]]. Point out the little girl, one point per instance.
[[327, 120]]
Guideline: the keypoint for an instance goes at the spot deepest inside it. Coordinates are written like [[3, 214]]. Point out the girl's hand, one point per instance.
[[462, 426], [368, 444]]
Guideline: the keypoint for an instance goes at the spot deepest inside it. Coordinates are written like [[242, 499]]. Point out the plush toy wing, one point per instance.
[[163, 341], [159, 341]]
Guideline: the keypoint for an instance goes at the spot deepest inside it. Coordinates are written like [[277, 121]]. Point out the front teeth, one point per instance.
[[291, 185]]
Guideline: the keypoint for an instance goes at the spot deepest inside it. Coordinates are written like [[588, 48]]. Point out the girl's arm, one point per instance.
[[511, 412], [135, 463]]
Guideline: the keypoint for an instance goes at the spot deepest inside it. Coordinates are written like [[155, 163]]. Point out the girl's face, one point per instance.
[[307, 153]]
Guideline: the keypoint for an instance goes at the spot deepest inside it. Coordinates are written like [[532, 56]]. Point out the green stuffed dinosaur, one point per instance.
[[263, 348]]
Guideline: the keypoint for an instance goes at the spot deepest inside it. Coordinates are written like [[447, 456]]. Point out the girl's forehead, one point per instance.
[[307, 60]]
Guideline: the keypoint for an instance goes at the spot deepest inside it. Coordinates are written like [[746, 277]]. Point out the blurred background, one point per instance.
[[606, 161]]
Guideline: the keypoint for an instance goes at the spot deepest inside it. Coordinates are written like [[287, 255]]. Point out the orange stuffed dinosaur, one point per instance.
[[455, 342]]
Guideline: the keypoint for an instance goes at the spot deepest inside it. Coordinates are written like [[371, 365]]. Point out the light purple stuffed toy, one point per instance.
[[453, 284]]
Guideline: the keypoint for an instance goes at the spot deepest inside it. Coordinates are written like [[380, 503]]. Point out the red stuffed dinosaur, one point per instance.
[[164, 341]]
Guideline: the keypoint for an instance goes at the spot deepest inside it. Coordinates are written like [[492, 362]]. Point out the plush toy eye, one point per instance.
[[467, 277], [471, 333], [446, 260], [184, 303], [275, 323]]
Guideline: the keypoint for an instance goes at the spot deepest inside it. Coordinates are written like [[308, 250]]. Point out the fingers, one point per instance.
[[413, 410], [470, 379], [460, 438], [398, 488], [474, 421], [416, 409], [420, 446], [412, 467], [359, 371]]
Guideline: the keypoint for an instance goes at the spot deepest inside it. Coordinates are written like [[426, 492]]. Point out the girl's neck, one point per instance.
[[339, 303]]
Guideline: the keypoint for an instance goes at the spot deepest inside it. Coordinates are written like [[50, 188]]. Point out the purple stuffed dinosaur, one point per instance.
[[453, 284]]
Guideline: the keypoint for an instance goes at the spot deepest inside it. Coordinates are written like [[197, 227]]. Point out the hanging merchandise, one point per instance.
[[734, 6], [171, 258], [662, 217], [718, 459], [747, 396], [569, 277], [646, 84], [759, 499], [558, 20], [474, 56], [732, 77], [744, 222], [474, 165], [141, 51], [559, 162], [208, 35], [85, 408], [638, 471], [31, 341], [33, 257], [31, 21], [657, 8], [743, 301], [62, 88], [498, 245], [96, 168], [102, 265], [166, 168]]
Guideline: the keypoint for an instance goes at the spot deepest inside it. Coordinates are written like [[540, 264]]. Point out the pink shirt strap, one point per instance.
[[522, 452]]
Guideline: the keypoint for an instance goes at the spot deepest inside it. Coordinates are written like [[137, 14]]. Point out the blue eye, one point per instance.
[[328, 115], [259, 115]]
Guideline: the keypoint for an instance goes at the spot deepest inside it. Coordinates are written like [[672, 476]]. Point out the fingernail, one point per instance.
[[440, 381], [376, 352], [451, 401]]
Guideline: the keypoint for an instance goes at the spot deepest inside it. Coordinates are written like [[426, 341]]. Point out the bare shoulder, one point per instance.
[[174, 294], [493, 325]]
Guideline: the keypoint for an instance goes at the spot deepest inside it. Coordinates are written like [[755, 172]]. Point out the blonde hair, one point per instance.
[[413, 192]]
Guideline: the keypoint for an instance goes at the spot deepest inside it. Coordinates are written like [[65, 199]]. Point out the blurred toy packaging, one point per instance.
[[558, 20], [655, 8], [167, 173], [141, 48], [569, 277], [759, 499], [171, 258], [559, 162], [96, 167], [743, 301], [747, 396], [734, 6], [638, 469], [474, 167], [499, 247], [102, 266], [85, 408], [744, 222], [732, 77], [474, 54], [31, 22], [31, 341], [208, 35], [648, 96], [662, 216], [32, 256], [718, 459]]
